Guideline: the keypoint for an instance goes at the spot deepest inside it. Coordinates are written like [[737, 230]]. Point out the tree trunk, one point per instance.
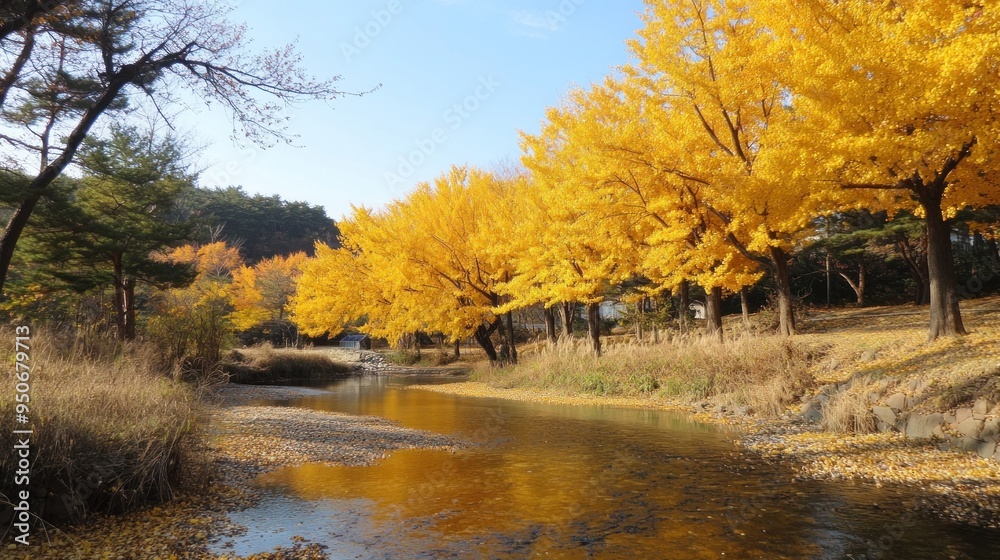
[[859, 286], [129, 293], [482, 336], [640, 308], [745, 304], [946, 319], [917, 267], [594, 326], [862, 281], [8, 241], [829, 284], [12, 232], [550, 325], [512, 347], [458, 348], [566, 309], [713, 312], [684, 294], [783, 278], [119, 299]]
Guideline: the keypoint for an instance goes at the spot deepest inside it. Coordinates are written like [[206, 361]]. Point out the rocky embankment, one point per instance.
[[364, 360], [974, 428]]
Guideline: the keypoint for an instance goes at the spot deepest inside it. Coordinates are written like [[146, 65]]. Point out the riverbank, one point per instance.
[[867, 398], [242, 440], [959, 486]]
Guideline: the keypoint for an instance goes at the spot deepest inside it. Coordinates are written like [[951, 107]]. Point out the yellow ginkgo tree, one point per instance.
[[672, 235], [899, 105], [708, 67], [428, 262], [581, 237], [263, 292]]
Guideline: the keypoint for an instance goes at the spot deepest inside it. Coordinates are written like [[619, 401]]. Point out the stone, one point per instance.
[[829, 389], [962, 414], [885, 414], [923, 426], [971, 428], [991, 430], [966, 444], [912, 385], [901, 419], [897, 401], [982, 406], [811, 412], [868, 356], [873, 397], [719, 408], [997, 456], [922, 386], [834, 364], [987, 449]]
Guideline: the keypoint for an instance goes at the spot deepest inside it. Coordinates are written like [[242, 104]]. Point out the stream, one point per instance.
[[561, 481]]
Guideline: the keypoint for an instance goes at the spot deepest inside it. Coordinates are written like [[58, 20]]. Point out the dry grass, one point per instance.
[[850, 409], [763, 373], [264, 364], [875, 351], [108, 424]]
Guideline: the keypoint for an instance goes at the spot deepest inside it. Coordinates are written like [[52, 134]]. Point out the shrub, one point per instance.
[[109, 427], [265, 364]]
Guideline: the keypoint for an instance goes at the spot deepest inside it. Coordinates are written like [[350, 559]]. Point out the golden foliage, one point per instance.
[[430, 262]]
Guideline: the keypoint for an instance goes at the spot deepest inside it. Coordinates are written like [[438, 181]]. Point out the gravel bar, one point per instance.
[[243, 441]]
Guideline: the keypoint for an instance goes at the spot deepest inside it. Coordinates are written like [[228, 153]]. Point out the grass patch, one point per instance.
[[426, 358], [761, 372], [402, 358], [109, 424], [265, 364], [850, 409]]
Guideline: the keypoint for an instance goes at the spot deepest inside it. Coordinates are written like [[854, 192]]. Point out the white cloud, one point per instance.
[[536, 24]]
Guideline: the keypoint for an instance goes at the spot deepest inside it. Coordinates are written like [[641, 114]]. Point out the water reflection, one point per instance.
[[580, 482]]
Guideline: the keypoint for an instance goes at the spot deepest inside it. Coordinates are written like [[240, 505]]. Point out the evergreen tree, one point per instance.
[[110, 227]]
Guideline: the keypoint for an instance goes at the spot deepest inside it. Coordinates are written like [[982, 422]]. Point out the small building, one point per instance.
[[356, 342], [698, 308]]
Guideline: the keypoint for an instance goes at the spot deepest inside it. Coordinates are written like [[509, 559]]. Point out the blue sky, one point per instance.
[[458, 79]]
